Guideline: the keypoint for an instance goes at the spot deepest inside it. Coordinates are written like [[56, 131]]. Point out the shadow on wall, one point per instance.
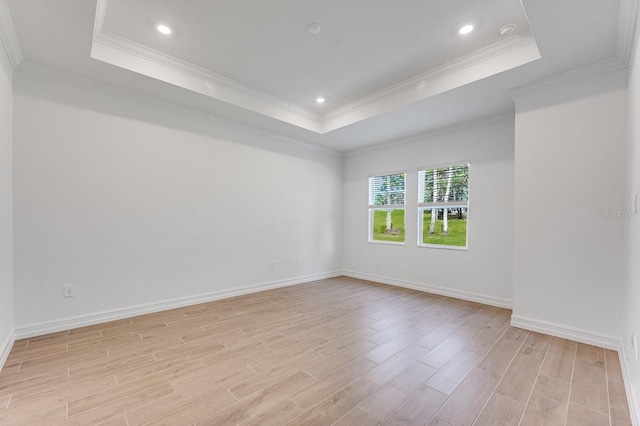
[[79, 92]]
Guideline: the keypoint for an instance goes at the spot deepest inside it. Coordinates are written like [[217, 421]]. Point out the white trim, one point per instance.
[[8, 36], [418, 82], [119, 51], [101, 14], [52, 326], [634, 402], [503, 118], [443, 291], [122, 52], [626, 27], [566, 332], [59, 77], [6, 347], [389, 243], [569, 77], [515, 51]]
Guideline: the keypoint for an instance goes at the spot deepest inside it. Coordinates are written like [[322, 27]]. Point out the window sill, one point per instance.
[[437, 246], [388, 243]]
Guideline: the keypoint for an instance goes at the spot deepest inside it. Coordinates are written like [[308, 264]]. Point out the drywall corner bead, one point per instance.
[[8, 36]]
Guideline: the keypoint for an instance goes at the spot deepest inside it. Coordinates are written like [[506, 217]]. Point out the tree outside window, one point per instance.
[[443, 206], [386, 208]]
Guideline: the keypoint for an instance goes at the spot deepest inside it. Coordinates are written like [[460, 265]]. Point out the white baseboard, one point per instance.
[[567, 332], [443, 291], [46, 327], [634, 400], [590, 338], [5, 348]]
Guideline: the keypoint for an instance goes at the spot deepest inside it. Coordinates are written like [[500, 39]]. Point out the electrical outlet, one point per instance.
[[69, 290], [377, 261], [274, 265]]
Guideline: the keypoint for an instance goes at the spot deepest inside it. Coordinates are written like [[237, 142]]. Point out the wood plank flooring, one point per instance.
[[332, 352]]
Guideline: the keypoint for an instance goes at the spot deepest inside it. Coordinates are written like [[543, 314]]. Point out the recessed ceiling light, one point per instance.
[[314, 28], [466, 29], [163, 29], [320, 100]]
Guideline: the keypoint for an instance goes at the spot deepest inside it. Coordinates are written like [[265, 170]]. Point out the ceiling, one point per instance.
[[387, 69]]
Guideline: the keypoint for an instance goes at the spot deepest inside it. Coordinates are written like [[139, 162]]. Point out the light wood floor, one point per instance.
[[338, 351]]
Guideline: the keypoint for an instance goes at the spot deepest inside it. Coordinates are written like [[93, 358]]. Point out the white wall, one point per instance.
[[569, 169], [631, 291], [6, 227], [136, 205], [484, 272]]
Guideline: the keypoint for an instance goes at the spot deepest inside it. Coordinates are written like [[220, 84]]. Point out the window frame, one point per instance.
[[422, 206], [386, 207]]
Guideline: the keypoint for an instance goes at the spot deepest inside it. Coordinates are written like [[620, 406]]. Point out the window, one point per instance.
[[443, 206], [386, 208]]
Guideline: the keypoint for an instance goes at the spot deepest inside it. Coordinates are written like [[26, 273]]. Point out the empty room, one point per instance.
[[418, 212]]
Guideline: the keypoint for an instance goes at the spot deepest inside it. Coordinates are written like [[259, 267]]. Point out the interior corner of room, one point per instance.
[[143, 205]]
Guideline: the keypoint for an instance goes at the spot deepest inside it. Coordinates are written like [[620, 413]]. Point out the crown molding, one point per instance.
[[65, 78], [504, 118], [8, 36], [569, 77], [626, 28], [125, 53], [114, 49], [510, 53]]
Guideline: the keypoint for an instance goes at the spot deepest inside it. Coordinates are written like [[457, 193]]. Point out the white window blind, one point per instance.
[[444, 187], [387, 190], [386, 208], [443, 206]]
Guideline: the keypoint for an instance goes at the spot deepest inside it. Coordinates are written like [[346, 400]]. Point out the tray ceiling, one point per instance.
[[389, 70], [369, 57]]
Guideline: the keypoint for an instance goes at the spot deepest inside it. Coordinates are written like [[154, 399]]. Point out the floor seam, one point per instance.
[[566, 414]]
